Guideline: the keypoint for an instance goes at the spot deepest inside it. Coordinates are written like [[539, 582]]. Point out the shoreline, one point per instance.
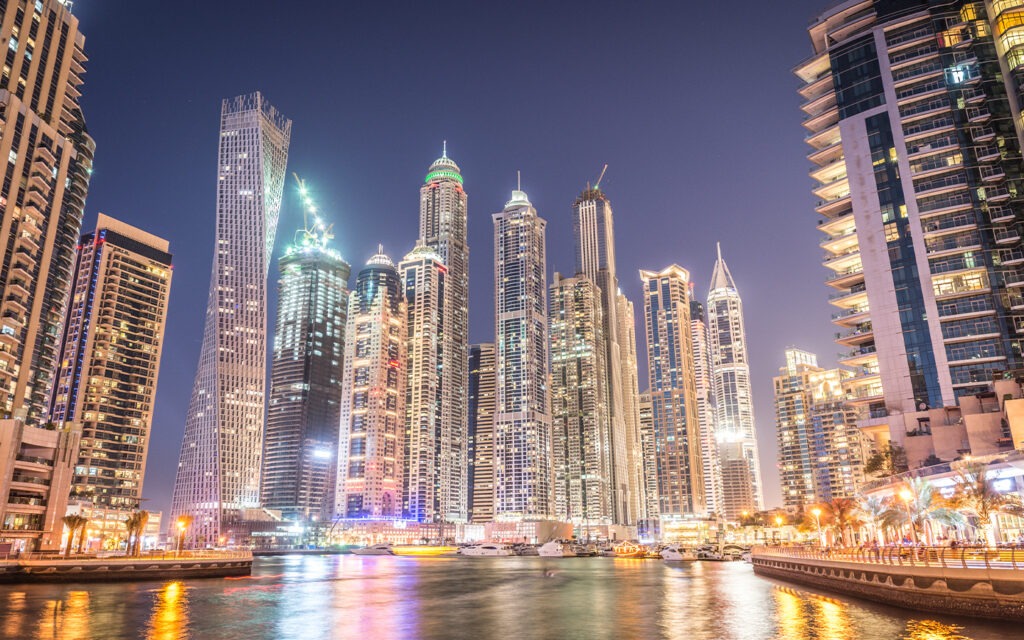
[[120, 569]]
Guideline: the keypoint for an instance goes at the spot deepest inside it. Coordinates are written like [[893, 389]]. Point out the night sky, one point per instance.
[[694, 109]]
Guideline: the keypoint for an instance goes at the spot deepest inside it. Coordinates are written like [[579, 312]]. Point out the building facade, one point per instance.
[[580, 435], [650, 459], [481, 432], [42, 196], [522, 414], [821, 453], [673, 391], [301, 437], [626, 318], [371, 441], [425, 279], [594, 232], [706, 407], [443, 228], [110, 360], [219, 466], [913, 113], [730, 373]]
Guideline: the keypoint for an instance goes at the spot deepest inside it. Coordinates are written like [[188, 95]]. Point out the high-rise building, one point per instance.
[[914, 118], [705, 406], [673, 391], [219, 467], [522, 414], [579, 410], [650, 459], [42, 196], [304, 410], [626, 317], [820, 447], [425, 280], [443, 228], [594, 232], [109, 362], [730, 374], [371, 442], [481, 432]]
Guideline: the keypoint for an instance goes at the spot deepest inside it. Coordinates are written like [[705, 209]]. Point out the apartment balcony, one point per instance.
[[922, 88], [946, 204], [846, 278], [842, 243], [917, 151], [826, 156], [44, 154], [1006, 236], [981, 134], [855, 297], [926, 108], [915, 130], [934, 186], [824, 138], [29, 241], [1014, 278], [857, 336], [823, 120], [992, 174], [859, 356], [830, 172], [997, 194], [904, 40], [904, 58], [833, 208], [838, 226], [835, 190], [16, 302], [1010, 257], [978, 115], [987, 153], [934, 227], [974, 95], [851, 317]]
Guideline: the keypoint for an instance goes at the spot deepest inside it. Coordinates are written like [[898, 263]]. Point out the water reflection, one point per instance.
[[170, 613], [932, 630]]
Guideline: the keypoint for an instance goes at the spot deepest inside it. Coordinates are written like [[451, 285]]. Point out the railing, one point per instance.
[[239, 554], [966, 557]]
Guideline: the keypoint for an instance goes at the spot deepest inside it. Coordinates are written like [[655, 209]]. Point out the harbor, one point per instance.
[[31, 568]]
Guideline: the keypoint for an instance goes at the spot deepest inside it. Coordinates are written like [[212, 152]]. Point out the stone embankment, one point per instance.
[[161, 566], [982, 583]]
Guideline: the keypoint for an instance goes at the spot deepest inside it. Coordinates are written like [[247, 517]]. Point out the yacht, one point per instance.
[[485, 549], [677, 553], [374, 550], [556, 549], [629, 550]]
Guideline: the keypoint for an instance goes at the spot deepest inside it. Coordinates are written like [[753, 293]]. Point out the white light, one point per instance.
[[322, 453]]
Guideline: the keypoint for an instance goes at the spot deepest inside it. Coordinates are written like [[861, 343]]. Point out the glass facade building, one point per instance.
[[481, 432]]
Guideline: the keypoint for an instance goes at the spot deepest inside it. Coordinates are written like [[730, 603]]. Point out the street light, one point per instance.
[[778, 527], [817, 521], [906, 495], [181, 533]]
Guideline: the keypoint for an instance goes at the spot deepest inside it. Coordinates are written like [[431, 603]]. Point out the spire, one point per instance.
[[720, 276], [519, 197], [444, 168], [444, 148]]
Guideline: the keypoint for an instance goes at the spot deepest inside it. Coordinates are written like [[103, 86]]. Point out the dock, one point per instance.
[[154, 566]]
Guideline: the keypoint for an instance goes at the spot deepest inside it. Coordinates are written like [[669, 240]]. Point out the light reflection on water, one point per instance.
[[385, 598]]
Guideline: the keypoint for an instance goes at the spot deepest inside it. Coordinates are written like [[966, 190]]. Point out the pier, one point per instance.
[[30, 568], [975, 582]]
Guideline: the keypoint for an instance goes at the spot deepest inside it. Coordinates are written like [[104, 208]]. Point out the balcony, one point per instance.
[[1006, 236], [948, 224], [862, 355], [832, 208], [945, 203], [925, 108], [982, 134], [927, 126], [996, 194], [987, 153], [992, 174], [909, 37], [978, 115], [846, 278], [974, 96], [858, 335], [1010, 257], [904, 58], [1013, 278], [851, 317], [934, 186]]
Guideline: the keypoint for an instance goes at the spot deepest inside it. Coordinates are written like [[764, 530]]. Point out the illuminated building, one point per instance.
[[730, 374], [594, 232], [443, 229], [820, 448], [427, 441], [481, 432], [673, 389], [650, 461], [371, 442], [522, 414], [219, 466], [579, 411], [109, 361], [626, 317], [304, 410], [48, 157], [705, 406], [913, 115]]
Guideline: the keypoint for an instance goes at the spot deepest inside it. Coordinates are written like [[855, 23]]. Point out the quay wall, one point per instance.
[[123, 569], [980, 592]]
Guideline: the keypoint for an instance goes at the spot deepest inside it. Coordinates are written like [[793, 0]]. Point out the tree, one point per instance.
[[136, 524], [72, 522], [921, 507], [82, 523], [976, 495], [873, 508], [887, 462], [842, 515]]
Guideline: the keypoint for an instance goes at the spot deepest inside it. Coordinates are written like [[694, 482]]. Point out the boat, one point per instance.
[[556, 549], [629, 550], [677, 553], [375, 550], [423, 550], [486, 549]]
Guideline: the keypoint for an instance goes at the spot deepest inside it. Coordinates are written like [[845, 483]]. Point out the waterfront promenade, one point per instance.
[[37, 567], [977, 582]]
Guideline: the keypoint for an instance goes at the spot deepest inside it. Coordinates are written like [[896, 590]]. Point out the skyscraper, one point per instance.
[[626, 317], [109, 362], [673, 391], [371, 442], [425, 280], [42, 197], [219, 466], [481, 432], [730, 372], [914, 119], [443, 228], [579, 410], [305, 380], [522, 419], [650, 458], [820, 448], [594, 232], [705, 406]]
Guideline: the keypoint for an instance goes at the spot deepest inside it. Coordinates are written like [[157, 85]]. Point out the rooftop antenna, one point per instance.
[[444, 149], [380, 249], [718, 245], [519, 181], [597, 185]]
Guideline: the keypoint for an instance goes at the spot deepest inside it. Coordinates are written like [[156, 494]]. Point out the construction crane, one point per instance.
[[597, 185], [318, 233]]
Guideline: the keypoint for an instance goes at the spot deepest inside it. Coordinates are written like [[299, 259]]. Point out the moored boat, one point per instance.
[[630, 550], [677, 553], [374, 550], [423, 550], [487, 549], [556, 549]]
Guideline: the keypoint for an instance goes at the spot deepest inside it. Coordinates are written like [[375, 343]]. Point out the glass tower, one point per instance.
[[219, 466], [481, 432]]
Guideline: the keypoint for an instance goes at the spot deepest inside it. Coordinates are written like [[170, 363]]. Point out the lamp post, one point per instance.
[[907, 496], [778, 528], [816, 512], [181, 534]]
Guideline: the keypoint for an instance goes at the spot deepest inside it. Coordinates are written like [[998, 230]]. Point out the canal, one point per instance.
[[380, 598]]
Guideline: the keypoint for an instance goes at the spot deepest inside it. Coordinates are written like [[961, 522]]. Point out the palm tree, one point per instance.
[[82, 523], [977, 496], [873, 508], [136, 524], [72, 522], [842, 514], [917, 502]]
